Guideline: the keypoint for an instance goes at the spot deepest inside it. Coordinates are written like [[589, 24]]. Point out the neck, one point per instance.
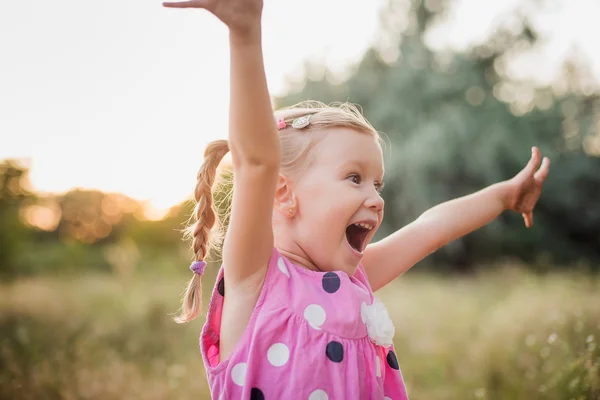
[[298, 257], [287, 246]]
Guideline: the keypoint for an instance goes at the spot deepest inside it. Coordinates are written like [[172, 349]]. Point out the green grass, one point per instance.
[[503, 335]]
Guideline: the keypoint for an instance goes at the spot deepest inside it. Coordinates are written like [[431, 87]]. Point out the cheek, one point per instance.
[[325, 207], [316, 197], [322, 219]]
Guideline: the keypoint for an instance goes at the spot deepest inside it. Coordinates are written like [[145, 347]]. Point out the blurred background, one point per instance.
[[106, 108]]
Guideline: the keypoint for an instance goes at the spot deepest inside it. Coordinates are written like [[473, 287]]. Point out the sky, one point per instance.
[[123, 96]]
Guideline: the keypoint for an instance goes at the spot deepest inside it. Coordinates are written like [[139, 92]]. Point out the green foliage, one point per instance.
[[457, 123], [14, 195]]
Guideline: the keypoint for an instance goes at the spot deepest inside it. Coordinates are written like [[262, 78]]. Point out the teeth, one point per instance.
[[365, 226]]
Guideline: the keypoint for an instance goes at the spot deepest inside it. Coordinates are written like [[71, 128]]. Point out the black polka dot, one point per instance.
[[335, 351], [256, 394], [221, 286], [392, 360], [331, 282]]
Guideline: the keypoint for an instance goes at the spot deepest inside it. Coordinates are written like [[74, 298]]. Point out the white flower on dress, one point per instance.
[[379, 324]]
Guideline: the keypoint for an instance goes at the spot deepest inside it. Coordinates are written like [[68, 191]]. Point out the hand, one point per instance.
[[241, 16], [525, 188]]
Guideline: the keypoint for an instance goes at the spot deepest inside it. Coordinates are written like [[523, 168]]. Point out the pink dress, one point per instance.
[[306, 339]]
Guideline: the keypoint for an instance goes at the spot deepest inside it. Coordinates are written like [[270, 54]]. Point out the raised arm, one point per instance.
[[436, 227], [253, 143], [256, 154]]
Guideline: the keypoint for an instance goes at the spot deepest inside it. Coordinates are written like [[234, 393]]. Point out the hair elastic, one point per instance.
[[198, 267], [281, 124]]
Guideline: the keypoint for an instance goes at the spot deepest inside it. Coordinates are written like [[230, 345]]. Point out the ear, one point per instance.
[[285, 200]]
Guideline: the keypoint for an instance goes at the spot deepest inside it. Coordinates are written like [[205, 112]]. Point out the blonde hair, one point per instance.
[[208, 229]]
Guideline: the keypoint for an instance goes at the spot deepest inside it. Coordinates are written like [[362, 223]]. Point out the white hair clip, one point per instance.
[[301, 122]]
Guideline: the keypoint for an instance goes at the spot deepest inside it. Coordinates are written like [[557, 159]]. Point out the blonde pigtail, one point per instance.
[[206, 222], [298, 134]]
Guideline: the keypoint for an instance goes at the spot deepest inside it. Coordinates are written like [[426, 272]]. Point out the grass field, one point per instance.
[[503, 335]]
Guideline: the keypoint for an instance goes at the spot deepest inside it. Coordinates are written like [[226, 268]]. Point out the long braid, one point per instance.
[[201, 230], [295, 144]]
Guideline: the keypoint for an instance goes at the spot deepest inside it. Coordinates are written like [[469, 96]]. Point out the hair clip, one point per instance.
[[198, 267], [301, 122], [281, 124]]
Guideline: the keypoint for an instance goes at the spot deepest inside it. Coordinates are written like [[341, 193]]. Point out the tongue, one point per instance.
[[355, 236]]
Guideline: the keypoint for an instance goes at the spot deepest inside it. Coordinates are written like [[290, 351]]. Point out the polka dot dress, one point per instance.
[[305, 340]]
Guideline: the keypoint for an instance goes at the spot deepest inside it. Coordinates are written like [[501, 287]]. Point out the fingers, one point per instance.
[[528, 217], [186, 4], [542, 173], [534, 161], [539, 173]]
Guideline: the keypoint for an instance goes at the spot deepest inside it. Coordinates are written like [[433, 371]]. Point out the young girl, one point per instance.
[[292, 314]]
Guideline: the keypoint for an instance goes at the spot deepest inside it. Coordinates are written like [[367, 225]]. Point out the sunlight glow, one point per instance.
[[130, 110], [153, 213], [44, 217]]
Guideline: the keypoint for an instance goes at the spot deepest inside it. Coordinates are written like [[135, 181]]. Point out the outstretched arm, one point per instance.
[[394, 255]]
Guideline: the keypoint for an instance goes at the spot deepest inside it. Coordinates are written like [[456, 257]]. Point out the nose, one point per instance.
[[374, 201]]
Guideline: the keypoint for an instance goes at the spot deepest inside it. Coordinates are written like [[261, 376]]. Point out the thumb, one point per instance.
[[528, 217]]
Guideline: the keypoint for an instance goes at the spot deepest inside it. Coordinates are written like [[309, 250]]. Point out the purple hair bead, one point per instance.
[[198, 267]]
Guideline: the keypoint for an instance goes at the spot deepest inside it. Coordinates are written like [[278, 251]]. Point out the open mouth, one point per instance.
[[357, 233]]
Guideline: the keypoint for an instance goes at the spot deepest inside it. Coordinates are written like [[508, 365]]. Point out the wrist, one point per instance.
[[503, 192], [249, 36]]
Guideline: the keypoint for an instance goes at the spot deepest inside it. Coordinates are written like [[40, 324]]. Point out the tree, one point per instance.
[[14, 195], [458, 122]]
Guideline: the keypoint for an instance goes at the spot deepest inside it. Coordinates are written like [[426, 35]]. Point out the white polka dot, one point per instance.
[[282, 267], [387, 398], [315, 315], [238, 374], [278, 354], [318, 395], [221, 396], [378, 366]]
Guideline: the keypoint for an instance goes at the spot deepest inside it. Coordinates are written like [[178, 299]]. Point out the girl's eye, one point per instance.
[[379, 187], [354, 178]]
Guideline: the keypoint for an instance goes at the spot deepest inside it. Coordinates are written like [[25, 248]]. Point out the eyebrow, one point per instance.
[[359, 164]]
